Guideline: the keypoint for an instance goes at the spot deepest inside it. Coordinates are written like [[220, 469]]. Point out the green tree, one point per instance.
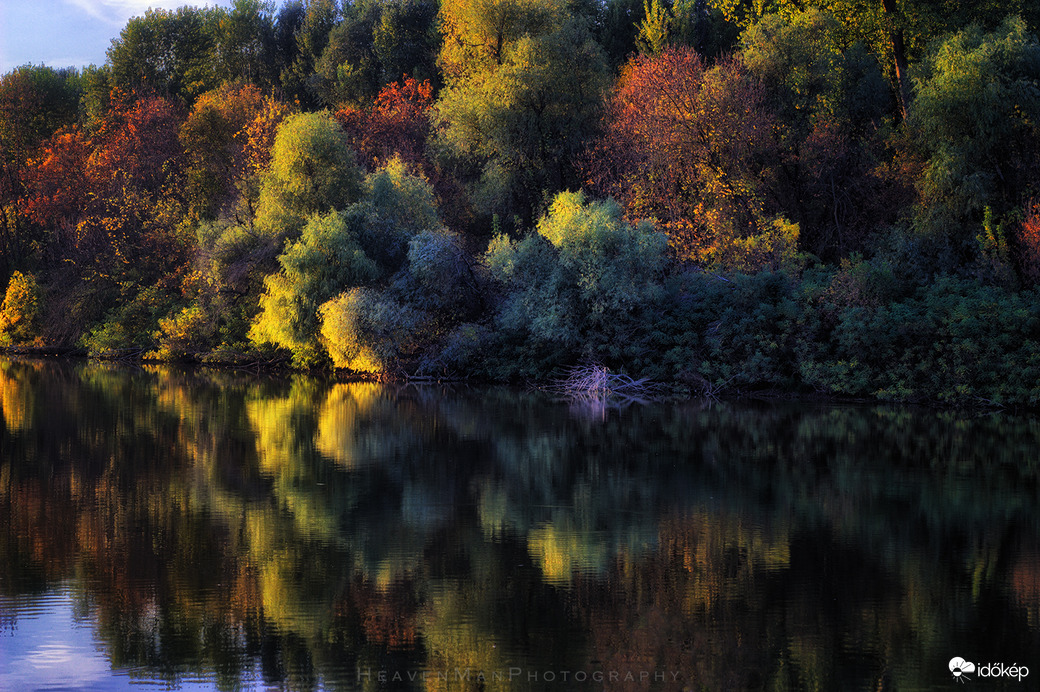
[[310, 39], [523, 122], [244, 37], [348, 71], [312, 170], [406, 41], [167, 53], [830, 100], [976, 124], [376, 44], [579, 284]]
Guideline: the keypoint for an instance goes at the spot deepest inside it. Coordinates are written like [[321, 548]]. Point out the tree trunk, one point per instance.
[[895, 32]]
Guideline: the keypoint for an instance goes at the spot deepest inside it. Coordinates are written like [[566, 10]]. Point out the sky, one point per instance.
[[69, 33]]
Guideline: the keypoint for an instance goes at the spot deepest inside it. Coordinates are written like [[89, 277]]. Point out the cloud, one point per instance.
[[117, 12]]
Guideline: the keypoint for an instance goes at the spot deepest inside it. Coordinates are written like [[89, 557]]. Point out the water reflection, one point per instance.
[[249, 531]]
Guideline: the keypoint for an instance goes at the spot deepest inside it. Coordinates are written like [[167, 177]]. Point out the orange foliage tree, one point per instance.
[[687, 144], [113, 199], [1029, 244], [396, 123], [226, 138]]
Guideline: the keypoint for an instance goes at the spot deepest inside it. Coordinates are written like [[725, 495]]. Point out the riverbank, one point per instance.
[[591, 384]]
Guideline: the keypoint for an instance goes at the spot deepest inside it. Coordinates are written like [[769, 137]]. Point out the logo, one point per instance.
[[960, 668]]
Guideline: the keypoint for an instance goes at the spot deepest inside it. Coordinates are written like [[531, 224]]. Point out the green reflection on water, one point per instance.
[[310, 534]]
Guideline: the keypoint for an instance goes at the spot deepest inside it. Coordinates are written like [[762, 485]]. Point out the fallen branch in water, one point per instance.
[[596, 381]]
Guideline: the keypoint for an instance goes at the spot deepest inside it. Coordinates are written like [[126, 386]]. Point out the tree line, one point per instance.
[[835, 196]]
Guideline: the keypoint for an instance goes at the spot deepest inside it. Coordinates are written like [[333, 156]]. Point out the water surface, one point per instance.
[[164, 528]]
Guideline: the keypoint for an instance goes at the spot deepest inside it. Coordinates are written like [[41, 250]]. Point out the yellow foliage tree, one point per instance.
[[20, 310]]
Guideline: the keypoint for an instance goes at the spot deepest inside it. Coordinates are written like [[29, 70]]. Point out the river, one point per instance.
[[205, 529]]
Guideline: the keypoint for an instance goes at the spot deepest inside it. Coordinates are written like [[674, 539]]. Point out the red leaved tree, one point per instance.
[[397, 123], [1028, 243], [689, 145], [113, 199]]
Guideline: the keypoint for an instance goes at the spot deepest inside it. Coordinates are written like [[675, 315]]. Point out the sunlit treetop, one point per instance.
[[477, 32]]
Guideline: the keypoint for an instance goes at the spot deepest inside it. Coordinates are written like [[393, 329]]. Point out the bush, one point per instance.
[[954, 341], [326, 259], [753, 340], [181, 334], [368, 331], [580, 284], [440, 269], [133, 323], [774, 249]]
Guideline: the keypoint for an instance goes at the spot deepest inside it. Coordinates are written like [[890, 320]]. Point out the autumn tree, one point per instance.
[[478, 32], [112, 200], [19, 312], [521, 111], [216, 138], [34, 103], [397, 123], [689, 145]]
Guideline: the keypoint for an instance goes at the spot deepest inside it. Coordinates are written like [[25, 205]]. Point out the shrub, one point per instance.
[[753, 338], [366, 330], [133, 323], [182, 333], [774, 249], [581, 280], [440, 268], [954, 340], [325, 260]]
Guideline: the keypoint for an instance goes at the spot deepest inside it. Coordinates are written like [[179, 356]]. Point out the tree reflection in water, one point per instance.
[[305, 534]]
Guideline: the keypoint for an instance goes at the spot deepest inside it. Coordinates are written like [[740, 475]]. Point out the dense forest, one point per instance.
[[833, 196]]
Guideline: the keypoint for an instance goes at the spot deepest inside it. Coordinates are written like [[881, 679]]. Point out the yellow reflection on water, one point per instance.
[[342, 413], [16, 398], [563, 551]]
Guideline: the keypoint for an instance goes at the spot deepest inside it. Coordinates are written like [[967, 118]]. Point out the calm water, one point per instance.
[[179, 529]]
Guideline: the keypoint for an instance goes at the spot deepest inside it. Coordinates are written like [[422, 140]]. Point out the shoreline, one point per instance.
[[668, 392]]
